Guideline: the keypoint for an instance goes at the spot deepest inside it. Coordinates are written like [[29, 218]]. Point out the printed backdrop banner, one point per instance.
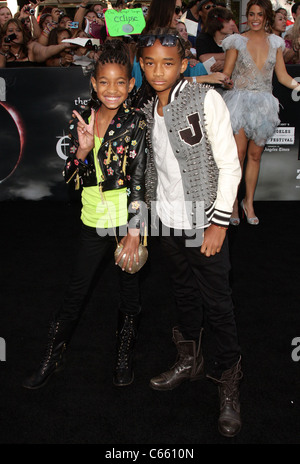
[[279, 177], [36, 105]]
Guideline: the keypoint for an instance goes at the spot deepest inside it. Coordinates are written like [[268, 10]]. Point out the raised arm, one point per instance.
[[80, 13]]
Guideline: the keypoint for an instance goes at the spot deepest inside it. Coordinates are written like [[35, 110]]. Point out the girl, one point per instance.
[[107, 156], [5, 15], [192, 174], [250, 60], [163, 14]]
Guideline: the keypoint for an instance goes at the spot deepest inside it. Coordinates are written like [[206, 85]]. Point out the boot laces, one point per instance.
[[229, 383], [53, 329], [126, 336]]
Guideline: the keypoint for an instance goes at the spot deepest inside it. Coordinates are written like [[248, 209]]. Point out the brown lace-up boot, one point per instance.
[[229, 422], [188, 366]]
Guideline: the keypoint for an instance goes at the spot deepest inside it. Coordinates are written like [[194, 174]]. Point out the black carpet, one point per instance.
[[80, 405]]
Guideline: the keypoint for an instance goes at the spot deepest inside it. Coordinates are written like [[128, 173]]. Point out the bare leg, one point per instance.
[[251, 176], [242, 143]]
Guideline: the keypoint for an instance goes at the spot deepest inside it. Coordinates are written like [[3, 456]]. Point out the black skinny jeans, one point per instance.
[[201, 288], [91, 251]]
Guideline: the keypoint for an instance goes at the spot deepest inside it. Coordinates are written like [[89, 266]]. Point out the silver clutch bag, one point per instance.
[[143, 256]]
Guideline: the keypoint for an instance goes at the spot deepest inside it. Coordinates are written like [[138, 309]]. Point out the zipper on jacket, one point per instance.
[[100, 159]]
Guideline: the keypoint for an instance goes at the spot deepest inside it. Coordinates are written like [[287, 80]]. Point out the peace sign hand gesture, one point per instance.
[[85, 135]]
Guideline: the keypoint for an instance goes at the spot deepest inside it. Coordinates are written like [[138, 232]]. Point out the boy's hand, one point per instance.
[[214, 237]]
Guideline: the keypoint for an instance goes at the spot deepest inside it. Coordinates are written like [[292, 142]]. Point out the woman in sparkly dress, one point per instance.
[[250, 61]]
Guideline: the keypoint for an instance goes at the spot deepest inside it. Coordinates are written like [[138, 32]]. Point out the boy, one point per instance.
[[192, 177]]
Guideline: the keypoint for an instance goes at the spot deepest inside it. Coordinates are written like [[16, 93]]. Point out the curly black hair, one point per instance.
[[114, 51]]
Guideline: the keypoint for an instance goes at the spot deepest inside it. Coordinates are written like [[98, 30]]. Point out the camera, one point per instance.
[[30, 10], [100, 15], [10, 38], [74, 25]]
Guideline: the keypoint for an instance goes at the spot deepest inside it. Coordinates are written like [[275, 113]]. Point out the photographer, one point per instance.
[[88, 17], [27, 17], [17, 49], [46, 25], [64, 57]]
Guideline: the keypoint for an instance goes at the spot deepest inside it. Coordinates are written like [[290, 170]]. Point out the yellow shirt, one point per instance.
[[103, 209]]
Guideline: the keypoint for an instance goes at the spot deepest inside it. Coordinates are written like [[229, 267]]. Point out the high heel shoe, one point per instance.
[[253, 221], [234, 221]]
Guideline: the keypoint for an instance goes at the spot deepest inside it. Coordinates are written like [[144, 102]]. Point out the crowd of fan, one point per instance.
[[31, 39]]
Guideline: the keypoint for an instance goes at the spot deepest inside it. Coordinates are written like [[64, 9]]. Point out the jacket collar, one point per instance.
[[175, 90], [177, 87]]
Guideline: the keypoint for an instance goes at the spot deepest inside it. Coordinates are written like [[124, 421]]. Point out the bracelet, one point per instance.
[[220, 227], [194, 80], [82, 6]]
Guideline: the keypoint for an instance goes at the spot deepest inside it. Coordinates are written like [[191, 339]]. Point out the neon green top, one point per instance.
[[103, 209]]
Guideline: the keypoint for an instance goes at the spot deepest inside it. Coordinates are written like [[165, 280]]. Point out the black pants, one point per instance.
[[201, 288], [91, 251]]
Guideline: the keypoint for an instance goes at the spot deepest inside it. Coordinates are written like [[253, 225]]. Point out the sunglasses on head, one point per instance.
[[166, 40], [179, 9], [208, 7]]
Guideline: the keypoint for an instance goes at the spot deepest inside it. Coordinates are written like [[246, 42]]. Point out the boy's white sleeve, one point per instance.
[[224, 150]]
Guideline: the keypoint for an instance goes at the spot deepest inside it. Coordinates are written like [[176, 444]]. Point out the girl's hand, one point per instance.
[[215, 78], [130, 249], [85, 132]]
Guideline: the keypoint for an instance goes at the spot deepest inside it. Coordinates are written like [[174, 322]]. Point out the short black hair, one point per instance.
[[216, 18]]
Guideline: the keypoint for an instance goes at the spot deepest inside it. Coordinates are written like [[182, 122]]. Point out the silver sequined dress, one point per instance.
[[251, 103]]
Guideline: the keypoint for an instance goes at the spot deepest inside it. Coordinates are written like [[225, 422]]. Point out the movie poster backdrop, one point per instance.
[[36, 105]]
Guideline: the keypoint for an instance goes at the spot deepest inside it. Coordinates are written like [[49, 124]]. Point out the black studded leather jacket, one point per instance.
[[122, 157]]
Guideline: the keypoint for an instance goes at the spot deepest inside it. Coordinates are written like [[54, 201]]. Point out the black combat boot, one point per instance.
[[58, 337], [189, 364], [126, 337], [229, 422]]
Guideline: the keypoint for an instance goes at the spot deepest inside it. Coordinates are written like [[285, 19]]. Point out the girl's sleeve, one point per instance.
[[277, 42], [235, 41], [136, 173], [75, 169]]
